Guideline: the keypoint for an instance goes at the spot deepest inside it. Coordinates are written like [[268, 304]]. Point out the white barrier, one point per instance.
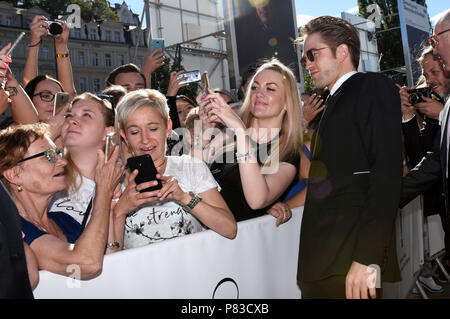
[[260, 263]]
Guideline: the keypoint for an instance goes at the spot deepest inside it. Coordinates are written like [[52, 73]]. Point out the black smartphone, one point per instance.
[[192, 76], [147, 171], [61, 98]]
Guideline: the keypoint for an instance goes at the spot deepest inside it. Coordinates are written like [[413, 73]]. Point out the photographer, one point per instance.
[[421, 123]]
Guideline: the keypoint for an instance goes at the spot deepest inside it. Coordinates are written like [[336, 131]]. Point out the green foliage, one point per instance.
[[309, 84], [161, 76], [389, 38]]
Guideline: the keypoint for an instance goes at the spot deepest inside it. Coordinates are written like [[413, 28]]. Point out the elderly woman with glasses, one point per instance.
[[33, 171]]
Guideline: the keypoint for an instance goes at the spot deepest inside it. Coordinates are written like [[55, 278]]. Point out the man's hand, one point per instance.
[[359, 280], [431, 108], [408, 110]]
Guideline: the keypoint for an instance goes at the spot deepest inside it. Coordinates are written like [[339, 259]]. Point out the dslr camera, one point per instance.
[[415, 95], [54, 28]]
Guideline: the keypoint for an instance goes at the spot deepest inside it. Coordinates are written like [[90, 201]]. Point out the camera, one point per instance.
[[54, 28], [415, 95]]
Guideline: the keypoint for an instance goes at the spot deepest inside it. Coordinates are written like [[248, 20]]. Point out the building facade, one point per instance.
[[98, 47]]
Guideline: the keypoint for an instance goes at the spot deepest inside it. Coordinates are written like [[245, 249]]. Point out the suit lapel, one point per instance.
[[330, 103]]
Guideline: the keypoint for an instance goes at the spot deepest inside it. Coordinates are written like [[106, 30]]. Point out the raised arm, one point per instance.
[[87, 253], [65, 75], [38, 29]]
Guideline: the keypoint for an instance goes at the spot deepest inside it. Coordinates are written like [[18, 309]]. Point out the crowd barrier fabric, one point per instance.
[[261, 262]]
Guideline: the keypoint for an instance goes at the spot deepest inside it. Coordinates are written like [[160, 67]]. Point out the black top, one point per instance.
[[229, 179], [14, 282]]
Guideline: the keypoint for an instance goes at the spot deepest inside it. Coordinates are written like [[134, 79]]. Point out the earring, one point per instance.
[[19, 188]]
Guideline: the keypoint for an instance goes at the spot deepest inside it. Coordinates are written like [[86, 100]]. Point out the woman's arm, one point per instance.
[[260, 189], [38, 29], [32, 266], [212, 210], [65, 75], [87, 253]]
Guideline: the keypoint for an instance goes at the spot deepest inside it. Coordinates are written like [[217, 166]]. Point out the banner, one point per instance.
[[260, 263]]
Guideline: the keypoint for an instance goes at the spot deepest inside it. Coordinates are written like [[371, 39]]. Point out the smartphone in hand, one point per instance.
[[147, 171], [191, 76], [61, 98], [157, 44]]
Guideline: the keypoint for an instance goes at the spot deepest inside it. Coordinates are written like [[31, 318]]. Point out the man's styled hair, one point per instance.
[[126, 68], [334, 32]]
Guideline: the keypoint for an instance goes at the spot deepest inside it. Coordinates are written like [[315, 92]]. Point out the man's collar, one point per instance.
[[340, 81]]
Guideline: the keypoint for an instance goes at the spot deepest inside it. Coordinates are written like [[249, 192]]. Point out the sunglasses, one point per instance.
[[310, 55], [45, 96], [51, 155], [433, 39]]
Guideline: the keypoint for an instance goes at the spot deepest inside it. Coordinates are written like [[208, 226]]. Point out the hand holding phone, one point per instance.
[[61, 98], [192, 76], [157, 44], [146, 171]]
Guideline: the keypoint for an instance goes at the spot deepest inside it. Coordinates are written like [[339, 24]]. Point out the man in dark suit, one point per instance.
[[14, 281], [434, 166], [356, 169]]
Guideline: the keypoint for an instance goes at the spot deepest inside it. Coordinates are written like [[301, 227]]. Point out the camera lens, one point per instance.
[[55, 28], [414, 98]]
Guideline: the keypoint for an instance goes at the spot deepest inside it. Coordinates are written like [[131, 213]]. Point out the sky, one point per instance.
[[308, 9], [305, 9]]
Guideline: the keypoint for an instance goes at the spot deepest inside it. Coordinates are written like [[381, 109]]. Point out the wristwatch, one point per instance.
[[194, 201]]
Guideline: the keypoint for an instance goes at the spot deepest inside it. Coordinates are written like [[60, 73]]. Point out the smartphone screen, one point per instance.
[[157, 44], [147, 171], [192, 76], [61, 98]]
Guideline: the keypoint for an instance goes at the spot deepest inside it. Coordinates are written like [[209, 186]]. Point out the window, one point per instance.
[[108, 36], [121, 59], [116, 36], [81, 60], [97, 85], [83, 84], [108, 61], [28, 23], [9, 20], [139, 61], [94, 59], [77, 33], [92, 34]]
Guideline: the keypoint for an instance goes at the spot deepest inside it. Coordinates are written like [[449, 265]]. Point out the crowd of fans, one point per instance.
[[234, 157]]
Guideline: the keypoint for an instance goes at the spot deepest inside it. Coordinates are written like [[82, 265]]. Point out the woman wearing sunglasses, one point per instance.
[[33, 171]]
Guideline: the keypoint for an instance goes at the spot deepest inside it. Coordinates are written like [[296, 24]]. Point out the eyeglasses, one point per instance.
[[310, 55], [51, 155], [433, 39], [45, 96]]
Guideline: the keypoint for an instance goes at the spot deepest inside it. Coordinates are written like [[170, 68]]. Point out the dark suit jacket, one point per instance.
[[14, 282], [354, 181]]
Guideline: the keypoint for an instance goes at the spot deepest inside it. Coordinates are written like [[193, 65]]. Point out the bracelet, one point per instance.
[[113, 245], [241, 158], [35, 45], [62, 55], [196, 198]]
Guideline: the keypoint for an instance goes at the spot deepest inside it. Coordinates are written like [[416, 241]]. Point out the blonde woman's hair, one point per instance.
[[72, 172], [292, 127], [142, 97]]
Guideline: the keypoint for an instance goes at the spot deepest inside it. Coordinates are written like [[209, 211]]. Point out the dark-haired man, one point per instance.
[[356, 168]]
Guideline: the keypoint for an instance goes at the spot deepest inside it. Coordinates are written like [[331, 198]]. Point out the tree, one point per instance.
[[389, 32]]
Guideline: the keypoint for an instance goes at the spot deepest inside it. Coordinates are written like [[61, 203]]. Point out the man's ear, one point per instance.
[[342, 52], [13, 175]]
